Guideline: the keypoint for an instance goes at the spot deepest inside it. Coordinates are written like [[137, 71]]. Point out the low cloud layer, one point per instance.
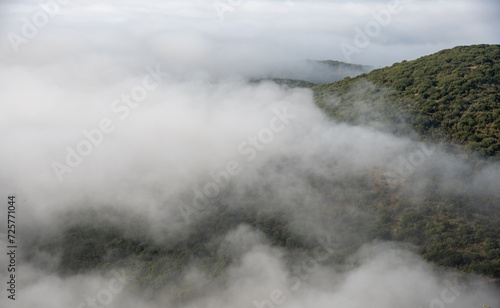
[[142, 107], [380, 275]]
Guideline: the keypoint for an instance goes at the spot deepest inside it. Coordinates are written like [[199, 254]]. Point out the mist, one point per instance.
[[147, 118]]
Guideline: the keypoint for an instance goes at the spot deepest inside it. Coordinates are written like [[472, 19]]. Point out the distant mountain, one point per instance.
[[452, 96], [341, 67], [317, 72]]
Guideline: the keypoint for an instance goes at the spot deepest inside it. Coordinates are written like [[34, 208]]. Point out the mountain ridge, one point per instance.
[[451, 96]]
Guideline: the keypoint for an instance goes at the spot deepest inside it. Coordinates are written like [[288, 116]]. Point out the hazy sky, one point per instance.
[[238, 32]]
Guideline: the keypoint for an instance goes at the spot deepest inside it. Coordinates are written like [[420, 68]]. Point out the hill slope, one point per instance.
[[451, 96]]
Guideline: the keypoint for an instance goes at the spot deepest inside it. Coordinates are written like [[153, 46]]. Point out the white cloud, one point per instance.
[[65, 79]]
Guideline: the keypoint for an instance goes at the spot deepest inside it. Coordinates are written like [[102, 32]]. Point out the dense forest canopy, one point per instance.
[[451, 96]]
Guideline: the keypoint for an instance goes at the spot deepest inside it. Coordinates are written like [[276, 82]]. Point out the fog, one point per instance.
[[148, 114], [384, 276], [246, 36]]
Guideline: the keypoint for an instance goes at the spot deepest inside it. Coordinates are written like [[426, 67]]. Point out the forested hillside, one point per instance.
[[450, 96]]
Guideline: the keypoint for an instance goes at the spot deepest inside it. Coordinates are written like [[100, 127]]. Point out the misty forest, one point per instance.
[[195, 155]]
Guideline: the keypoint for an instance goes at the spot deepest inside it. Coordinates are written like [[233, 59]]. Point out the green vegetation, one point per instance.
[[451, 96], [460, 232]]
